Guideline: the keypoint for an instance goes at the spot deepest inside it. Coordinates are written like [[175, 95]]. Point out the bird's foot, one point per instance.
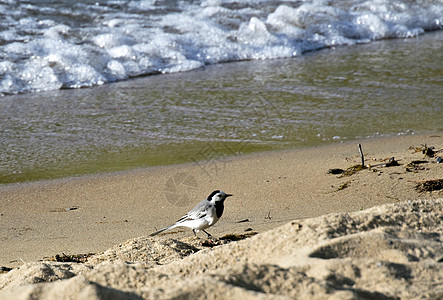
[[207, 234]]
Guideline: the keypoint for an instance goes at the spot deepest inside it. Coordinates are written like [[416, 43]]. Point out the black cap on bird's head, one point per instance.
[[218, 195]]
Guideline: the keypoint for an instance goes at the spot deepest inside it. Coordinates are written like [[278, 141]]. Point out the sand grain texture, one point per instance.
[[393, 251]]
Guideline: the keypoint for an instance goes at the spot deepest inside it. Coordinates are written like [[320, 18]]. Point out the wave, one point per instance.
[[50, 45]]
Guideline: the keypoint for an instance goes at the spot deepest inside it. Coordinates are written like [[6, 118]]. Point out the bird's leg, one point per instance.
[[193, 230], [208, 234]]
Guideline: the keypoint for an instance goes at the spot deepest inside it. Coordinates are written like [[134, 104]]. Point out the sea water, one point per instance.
[[55, 44], [301, 73]]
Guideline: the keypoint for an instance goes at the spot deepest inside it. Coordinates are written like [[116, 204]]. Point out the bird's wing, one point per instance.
[[198, 212]]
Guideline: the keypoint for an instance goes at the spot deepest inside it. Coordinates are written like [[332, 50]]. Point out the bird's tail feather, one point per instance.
[[161, 230]]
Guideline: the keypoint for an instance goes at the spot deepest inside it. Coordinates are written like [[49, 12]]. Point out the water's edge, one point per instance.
[[385, 88]]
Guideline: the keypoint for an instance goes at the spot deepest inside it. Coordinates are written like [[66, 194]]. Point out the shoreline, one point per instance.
[[226, 158], [92, 213]]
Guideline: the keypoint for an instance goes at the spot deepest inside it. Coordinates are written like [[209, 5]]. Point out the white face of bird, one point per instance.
[[218, 196]]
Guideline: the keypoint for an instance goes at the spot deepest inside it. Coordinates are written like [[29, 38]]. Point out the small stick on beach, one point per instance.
[[361, 155]]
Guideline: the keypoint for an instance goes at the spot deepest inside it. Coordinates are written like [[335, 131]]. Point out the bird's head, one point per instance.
[[218, 196]]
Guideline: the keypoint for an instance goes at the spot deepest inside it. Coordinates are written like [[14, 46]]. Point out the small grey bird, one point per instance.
[[203, 215]]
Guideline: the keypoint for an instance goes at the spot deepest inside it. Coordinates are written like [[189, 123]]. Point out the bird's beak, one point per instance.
[[228, 195]]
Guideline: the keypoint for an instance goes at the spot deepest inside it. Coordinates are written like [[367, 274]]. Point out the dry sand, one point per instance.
[[374, 235]]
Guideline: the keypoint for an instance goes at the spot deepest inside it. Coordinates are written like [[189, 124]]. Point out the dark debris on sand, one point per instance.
[[76, 258]]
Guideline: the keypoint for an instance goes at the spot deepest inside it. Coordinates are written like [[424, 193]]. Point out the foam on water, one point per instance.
[[49, 45]]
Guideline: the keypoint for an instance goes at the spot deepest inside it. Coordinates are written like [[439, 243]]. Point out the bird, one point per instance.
[[203, 215]]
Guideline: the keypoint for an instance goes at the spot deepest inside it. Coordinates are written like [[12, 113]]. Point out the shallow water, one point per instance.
[[384, 88]]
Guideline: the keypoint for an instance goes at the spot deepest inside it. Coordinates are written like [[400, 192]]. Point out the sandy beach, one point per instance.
[[373, 234]]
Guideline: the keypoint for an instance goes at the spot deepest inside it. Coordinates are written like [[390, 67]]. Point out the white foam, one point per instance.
[[118, 40], [82, 75], [57, 31], [37, 75], [109, 40]]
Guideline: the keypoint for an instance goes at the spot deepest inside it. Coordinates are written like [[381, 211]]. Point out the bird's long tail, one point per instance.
[[163, 229]]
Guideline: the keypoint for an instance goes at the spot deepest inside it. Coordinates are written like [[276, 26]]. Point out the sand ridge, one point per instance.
[[393, 251]]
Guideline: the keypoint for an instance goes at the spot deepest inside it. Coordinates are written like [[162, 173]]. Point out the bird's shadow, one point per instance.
[[184, 248], [194, 245]]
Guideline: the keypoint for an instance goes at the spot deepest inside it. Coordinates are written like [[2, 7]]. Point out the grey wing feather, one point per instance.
[[198, 212]]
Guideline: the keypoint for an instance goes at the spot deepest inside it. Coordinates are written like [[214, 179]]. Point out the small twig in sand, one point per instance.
[[361, 155], [354, 169], [391, 163], [243, 221], [268, 217]]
